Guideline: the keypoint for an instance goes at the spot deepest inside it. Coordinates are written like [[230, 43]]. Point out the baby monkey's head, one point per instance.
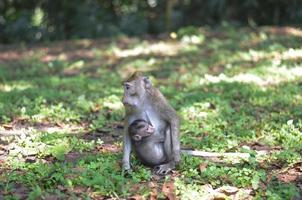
[[140, 129]]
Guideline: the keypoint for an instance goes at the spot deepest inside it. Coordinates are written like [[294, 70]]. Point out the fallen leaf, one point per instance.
[[243, 194], [203, 167], [219, 196], [168, 190], [152, 184], [290, 174], [30, 159], [59, 124], [96, 108], [7, 126], [153, 194], [79, 189], [136, 197], [227, 190], [287, 178]]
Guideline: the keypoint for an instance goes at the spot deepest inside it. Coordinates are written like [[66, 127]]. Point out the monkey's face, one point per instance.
[[134, 94]]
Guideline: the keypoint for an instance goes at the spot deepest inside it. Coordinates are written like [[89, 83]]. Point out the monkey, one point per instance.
[[140, 129], [160, 150], [143, 140]]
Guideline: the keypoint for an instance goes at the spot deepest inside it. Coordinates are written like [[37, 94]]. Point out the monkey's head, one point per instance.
[[140, 129], [135, 90]]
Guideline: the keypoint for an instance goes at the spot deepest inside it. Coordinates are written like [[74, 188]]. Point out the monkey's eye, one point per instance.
[[127, 86]]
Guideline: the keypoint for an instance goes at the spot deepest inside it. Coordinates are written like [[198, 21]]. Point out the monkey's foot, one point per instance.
[[164, 169]]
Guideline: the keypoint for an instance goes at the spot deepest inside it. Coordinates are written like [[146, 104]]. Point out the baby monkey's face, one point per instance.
[[140, 129]]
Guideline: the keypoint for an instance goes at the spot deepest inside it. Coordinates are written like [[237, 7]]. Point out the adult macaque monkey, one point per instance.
[[161, 149]]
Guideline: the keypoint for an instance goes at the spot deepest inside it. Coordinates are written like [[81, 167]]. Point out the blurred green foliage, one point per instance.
[[36, 20]]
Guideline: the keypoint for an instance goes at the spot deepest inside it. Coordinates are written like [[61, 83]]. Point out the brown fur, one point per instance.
[[136, 75]]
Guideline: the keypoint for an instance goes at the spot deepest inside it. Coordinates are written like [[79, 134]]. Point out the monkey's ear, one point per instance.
[[147, 82]]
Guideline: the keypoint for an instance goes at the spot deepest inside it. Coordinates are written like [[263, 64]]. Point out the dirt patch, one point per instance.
[[291, 174]]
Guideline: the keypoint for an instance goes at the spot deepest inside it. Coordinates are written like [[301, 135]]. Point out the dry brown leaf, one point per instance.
[[78, 189], [291, 174], [59, 124], [227, 190], [136, 197], [243, 194], [219, 196], [152, 184], [95, 108], [7, 126], [153, 194], [203, 167], [168, 190], [287, 178]]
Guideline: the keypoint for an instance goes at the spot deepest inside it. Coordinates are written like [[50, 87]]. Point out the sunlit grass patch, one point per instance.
[[264, 76]]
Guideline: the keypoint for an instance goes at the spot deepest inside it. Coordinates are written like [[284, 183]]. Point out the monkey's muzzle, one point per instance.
[[128, 104]]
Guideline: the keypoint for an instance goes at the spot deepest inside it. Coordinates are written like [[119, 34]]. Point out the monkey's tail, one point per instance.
[[215, 154]]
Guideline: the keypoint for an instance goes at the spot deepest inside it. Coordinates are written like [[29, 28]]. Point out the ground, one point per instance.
[[235, 89]]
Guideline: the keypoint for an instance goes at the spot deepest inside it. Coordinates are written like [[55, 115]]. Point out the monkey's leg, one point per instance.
[[127, 151], [167, 167]]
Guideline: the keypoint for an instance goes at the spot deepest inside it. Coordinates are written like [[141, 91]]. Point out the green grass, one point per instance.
[[232, 87]]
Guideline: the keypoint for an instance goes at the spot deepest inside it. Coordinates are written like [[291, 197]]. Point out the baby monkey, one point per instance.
[[140, 129]]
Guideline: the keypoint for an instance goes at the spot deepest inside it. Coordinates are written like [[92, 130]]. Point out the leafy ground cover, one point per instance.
[[236, 90]]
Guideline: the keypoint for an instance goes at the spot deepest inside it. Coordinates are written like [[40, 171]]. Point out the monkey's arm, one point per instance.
[[127, 150]]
